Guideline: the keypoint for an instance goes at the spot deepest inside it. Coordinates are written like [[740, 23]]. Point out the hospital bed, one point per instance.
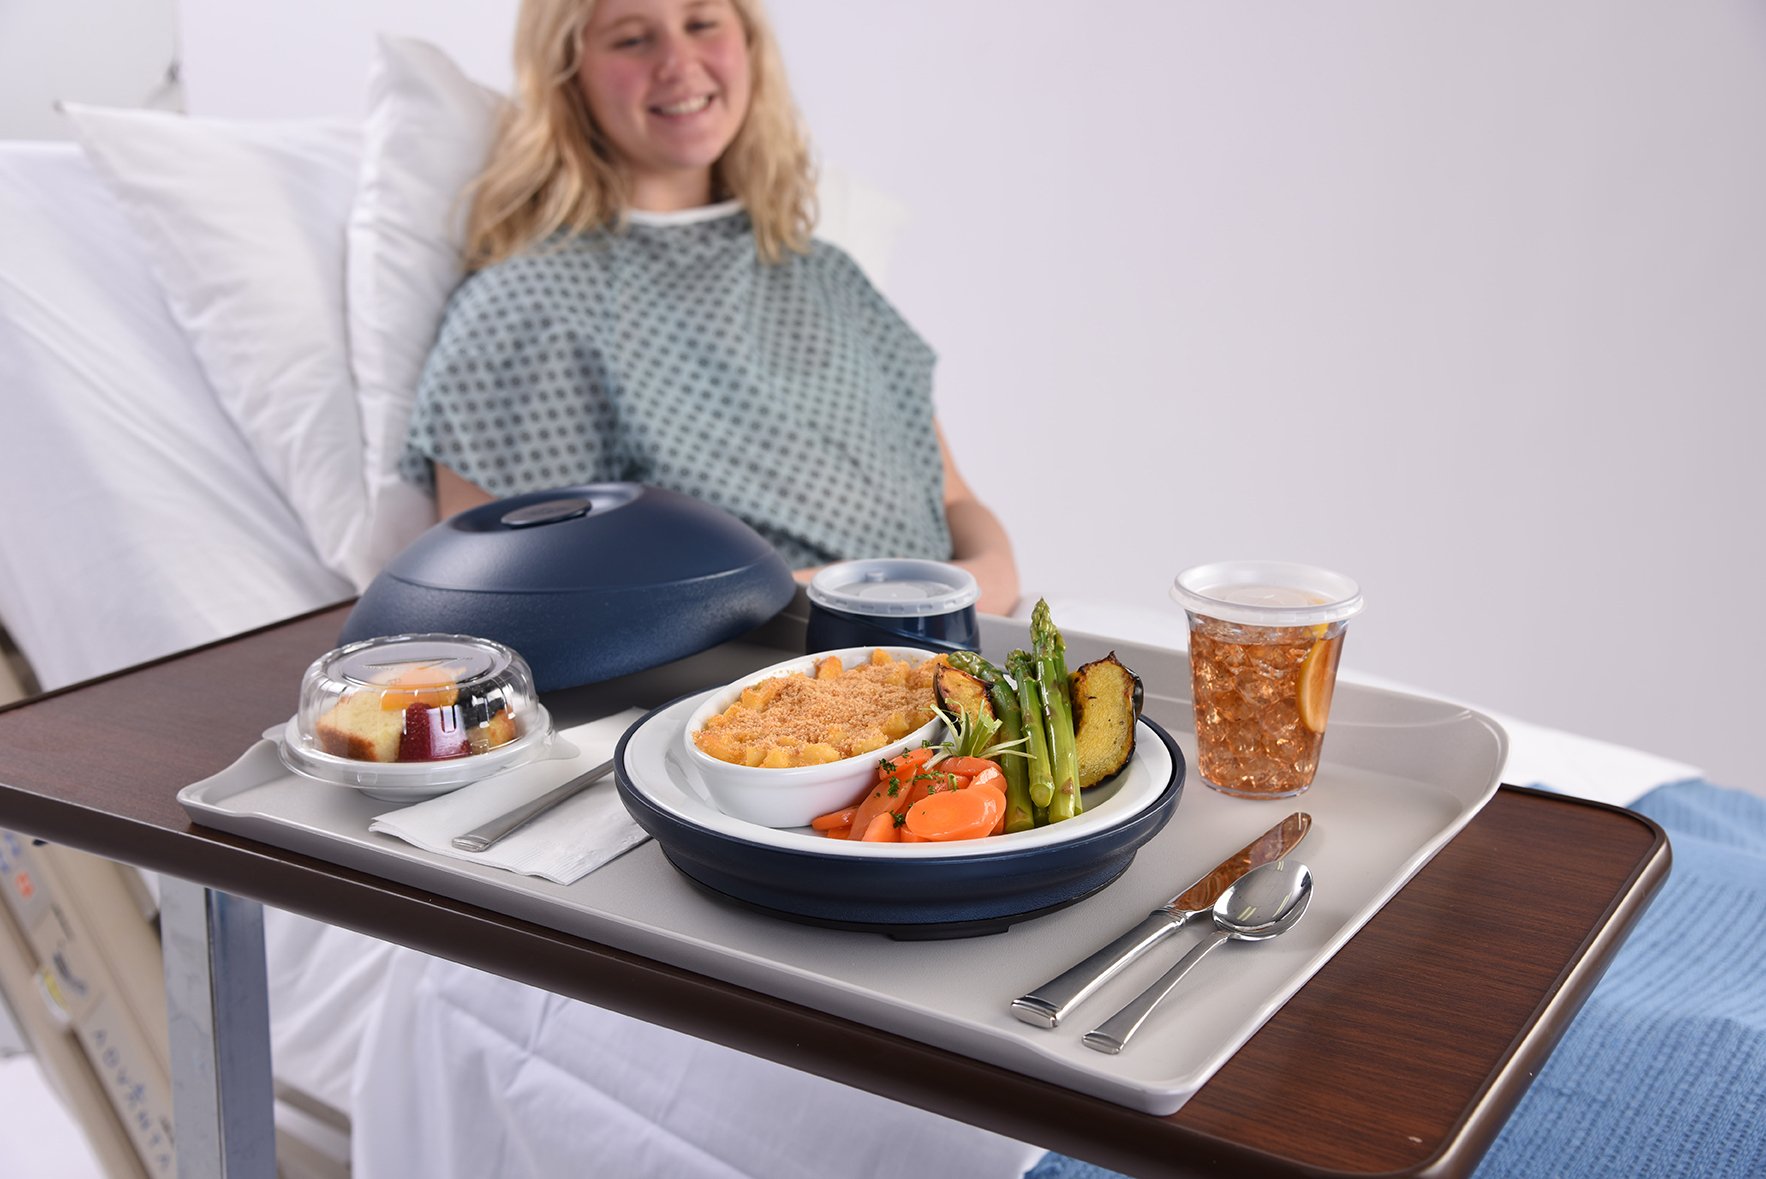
[[199, 513], [201, 326]]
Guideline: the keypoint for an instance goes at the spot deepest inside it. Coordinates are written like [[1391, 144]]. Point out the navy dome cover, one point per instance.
[[643, 577]]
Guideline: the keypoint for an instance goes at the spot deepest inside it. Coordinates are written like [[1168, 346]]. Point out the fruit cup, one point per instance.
[[407, 717]]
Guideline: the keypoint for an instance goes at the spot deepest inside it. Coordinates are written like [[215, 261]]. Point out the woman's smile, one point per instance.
[[682, 108]]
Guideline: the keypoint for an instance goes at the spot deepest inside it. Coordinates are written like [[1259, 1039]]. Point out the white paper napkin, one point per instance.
[[563, 845]]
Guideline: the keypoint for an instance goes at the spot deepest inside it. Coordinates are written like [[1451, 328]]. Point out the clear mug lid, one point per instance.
[[894, 587]]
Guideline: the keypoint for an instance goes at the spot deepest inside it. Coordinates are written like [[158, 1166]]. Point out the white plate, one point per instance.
[[660, 771]]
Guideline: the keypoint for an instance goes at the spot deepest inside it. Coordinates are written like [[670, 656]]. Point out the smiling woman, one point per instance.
[[670, 91], [648, 305]]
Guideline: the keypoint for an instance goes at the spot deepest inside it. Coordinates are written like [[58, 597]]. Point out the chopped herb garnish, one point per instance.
[[900, 820]]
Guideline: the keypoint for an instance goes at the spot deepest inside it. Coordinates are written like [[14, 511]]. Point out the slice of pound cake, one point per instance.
[[357, 727]]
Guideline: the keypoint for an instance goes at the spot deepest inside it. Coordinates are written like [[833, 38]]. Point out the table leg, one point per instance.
[[217, 1000]]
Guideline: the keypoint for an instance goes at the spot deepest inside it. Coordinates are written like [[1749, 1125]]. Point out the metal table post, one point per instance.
[[217, 1001]]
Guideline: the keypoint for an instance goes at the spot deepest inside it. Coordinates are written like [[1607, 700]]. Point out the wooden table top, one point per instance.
[[1404, 1054]]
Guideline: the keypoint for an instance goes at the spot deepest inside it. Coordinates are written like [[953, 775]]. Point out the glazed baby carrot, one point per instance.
[[880, 800], [895, 779], [874, 804], [904, 765], [920, 787], [841, 818], [992, 776], [970, 767], [881, 829], [957, 814]]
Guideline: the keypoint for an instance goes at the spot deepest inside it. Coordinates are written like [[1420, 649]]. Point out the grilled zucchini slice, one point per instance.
[[958, 692], [1106, 703]]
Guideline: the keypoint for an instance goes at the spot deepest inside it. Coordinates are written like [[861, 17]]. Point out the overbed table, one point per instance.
[[1404, 1055]]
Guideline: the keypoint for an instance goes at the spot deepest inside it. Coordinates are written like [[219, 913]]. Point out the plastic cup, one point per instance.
[[1265, 640], [893, 602]]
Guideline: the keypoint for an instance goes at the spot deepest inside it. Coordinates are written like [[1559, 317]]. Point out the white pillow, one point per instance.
[[428, 132], [140, 523], [862, 220], [243, 223]]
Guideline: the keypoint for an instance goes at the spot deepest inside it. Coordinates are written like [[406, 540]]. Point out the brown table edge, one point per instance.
[[1509, 1081], [174, 656]]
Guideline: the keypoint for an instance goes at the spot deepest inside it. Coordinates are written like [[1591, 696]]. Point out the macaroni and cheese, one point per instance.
[[839, 712]]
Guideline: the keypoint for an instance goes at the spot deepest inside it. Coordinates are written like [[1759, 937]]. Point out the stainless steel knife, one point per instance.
[[480, 838], [1048, 1004]]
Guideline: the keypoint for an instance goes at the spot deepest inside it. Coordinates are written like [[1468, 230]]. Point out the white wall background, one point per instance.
[[1466, 299], [107, 52]]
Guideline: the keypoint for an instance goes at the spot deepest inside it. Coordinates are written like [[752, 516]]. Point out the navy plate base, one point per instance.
[[917, 932]]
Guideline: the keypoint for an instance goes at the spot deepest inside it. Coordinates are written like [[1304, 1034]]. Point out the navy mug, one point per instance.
[[893, 602]]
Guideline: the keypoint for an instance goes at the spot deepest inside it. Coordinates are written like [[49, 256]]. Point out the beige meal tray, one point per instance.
[[1401, 775]]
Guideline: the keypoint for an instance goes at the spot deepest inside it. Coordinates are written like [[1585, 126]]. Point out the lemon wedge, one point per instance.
[[1318, 681]]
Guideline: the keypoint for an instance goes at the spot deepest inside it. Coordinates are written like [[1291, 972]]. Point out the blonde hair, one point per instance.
[[552, 168]]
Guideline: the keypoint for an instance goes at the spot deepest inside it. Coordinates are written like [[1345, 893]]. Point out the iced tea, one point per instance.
[[1263, 694]]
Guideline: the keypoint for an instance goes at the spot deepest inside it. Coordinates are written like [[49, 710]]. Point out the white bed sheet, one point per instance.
[[470, 1075], [452, 1073], [138, 522]]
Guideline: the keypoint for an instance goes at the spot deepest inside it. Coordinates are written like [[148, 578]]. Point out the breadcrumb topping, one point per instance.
[[796, 719]]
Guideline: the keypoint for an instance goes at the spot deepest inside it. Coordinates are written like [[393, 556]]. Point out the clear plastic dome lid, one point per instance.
[[416, 713], [894, 587]]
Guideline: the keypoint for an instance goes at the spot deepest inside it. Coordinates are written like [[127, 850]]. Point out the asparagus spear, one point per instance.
[[1057, 704], [1020, 815], [1022, 669]]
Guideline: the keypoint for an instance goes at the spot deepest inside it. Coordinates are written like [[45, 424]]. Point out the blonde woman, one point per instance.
[[646, 303]]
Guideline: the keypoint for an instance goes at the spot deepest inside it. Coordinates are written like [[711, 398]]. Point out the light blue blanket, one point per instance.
[[1663, 1072]]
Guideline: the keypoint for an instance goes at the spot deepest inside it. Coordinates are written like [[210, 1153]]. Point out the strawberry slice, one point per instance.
[[433, 734]]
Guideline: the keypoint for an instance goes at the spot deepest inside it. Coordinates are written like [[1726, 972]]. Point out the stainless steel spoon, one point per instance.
[[1262, 903]]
